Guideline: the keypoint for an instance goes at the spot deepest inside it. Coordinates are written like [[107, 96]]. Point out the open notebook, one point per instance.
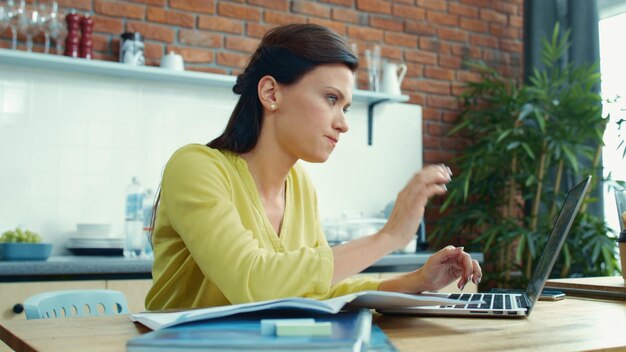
[[512, 305]]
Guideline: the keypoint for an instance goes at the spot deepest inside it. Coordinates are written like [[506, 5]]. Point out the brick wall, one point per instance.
[[433, 37]]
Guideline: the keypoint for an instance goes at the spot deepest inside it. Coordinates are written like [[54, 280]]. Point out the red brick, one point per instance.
[[452, 34], [238, 11], [408, 2], [450, 116], [412, 12], [438, 156], [483, 40], [349, 15], [439, 101], [281, 18], [492, 16], [401, 39], [431, 114], [501, 31], [435, 129], [75, 4], [478, 3], [516, 21], [310, 8], [367, 34], [347, 3], [386, 23], [450, 61], [422, 28], [192, 55], [442, 18], [508, 8], [119, 9], [511, 46], [458, 88], [440, 5], [421, 57], [416, 98], [391, 53], [474, 25], [438, 73], [242, 44], [171, 17], [100, 42], [378, 6], [433, 86], [467, 76], [220, 24], [151, 31], [104, 24], [430, 44], [256, 30], [282, 5], [200, 38], [431, 142], [195, 6], [414, 69], [231, 59], [339, 28], [153, 51], [103, 57], [463, 10], [160, 3]]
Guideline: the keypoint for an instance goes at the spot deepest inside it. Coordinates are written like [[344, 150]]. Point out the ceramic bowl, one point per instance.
[[25, 251]]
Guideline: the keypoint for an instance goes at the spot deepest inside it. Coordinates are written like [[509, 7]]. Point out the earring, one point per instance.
[[273, 107]]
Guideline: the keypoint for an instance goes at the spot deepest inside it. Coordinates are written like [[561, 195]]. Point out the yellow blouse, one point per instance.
[[213, 244]]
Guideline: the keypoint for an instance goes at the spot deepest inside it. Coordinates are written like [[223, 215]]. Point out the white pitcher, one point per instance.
[[393, 74]]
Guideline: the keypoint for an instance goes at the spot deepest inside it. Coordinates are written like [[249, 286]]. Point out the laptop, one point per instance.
[[509, 305]]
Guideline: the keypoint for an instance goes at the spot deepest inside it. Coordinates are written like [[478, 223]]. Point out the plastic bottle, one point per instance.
[[148, 203], [133, 226]]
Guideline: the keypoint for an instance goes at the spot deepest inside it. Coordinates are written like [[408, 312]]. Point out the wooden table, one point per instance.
[[573, 324]]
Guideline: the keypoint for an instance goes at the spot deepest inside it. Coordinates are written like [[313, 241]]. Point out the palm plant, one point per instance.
[[526, 138]]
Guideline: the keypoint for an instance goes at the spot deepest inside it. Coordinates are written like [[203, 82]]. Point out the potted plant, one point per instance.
[[526, 138]]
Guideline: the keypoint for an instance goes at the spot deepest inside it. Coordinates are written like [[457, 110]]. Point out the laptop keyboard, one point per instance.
[[492, 301]]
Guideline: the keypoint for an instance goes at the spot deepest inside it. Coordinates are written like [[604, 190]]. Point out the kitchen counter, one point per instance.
[[112, 268]]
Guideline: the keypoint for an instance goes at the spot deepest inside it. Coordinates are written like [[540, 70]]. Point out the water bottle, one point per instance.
[[133, 226], [148, 203]]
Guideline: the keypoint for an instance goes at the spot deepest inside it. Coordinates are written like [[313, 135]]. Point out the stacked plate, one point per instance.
[[96, 246], [94, 239]]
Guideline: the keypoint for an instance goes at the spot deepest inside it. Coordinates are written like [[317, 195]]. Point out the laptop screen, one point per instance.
[[555, 242]]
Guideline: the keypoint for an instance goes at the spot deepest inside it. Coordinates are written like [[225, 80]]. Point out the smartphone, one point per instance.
[[546, 294]]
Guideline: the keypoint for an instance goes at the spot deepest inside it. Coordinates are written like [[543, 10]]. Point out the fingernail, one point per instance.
[[462, 286], [444, 187], [478, 280]]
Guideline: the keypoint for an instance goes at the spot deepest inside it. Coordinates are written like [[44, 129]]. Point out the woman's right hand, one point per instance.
[[408, 210]]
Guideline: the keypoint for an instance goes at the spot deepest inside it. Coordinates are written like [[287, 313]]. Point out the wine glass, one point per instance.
[[30, 26], [16, 18], [4, 17], [54, 28]]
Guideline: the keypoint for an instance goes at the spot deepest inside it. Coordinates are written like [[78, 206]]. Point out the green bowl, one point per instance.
[[25, 251]]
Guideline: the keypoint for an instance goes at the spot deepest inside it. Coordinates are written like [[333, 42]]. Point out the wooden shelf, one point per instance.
[[150, 73]]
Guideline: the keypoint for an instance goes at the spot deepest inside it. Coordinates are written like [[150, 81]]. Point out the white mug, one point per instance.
[[393, 74], [173, 61]]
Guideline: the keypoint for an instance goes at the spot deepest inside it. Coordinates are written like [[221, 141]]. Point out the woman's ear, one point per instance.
[[267, 93]]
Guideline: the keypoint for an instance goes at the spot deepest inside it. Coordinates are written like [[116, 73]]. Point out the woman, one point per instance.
[[237, 219]]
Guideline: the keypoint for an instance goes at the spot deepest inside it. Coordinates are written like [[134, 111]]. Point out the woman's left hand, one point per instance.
[[447, 265]]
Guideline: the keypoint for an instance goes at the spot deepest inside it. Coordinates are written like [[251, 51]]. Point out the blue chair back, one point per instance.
[[71, 303]]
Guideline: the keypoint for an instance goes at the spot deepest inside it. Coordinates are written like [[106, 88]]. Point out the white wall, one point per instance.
[[70, 143]]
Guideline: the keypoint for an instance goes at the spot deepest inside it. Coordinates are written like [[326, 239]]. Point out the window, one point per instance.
[[613, 70]]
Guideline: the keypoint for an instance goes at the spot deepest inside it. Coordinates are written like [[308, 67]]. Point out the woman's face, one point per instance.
[[311, 112]]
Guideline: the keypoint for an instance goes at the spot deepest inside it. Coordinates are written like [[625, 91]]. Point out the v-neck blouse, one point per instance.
[[214, 245]]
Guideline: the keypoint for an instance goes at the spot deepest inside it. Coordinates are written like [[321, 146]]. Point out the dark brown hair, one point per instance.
[[286, 53]]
